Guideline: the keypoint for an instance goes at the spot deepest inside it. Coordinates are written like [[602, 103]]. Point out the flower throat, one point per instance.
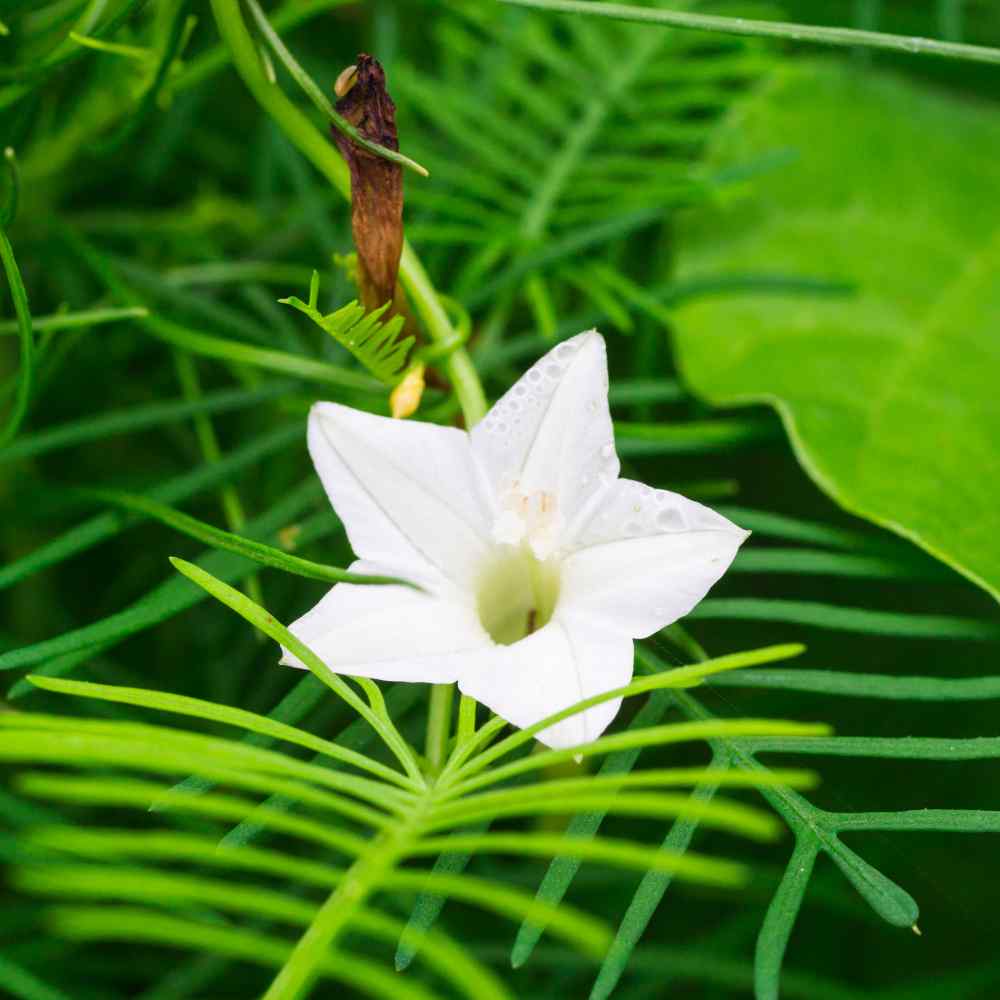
[[517, 594]]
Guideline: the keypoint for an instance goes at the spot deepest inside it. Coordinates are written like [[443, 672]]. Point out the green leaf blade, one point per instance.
[[266, 555], [889, 397], [429, 904], [562, 869]]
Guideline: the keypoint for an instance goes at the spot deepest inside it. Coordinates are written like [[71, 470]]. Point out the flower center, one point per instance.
[[531, 519], [517, 593]]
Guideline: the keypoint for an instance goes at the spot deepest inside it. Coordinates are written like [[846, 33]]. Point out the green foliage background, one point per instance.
[[747, 221]]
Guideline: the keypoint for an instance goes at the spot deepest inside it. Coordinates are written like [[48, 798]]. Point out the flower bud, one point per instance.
[[376, 183]]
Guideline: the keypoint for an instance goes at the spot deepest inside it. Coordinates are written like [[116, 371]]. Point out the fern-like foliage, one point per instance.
[[350, 821], [376, 345], [560, 150], [553, 141], [817, 831]]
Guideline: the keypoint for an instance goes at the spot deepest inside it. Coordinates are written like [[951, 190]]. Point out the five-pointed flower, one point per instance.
[[538, 564]]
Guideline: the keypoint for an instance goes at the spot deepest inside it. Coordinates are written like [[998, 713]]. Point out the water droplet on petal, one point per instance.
[[669, 519]]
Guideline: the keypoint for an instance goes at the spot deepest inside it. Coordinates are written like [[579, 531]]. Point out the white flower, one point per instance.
[[539, 564]]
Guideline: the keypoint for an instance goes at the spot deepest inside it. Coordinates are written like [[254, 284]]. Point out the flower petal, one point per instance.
[[410, 494], [390, 633], [646, 558], [551, 432], [562, 663]]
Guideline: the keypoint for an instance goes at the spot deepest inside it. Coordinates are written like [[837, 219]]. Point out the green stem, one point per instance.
[[308, 85], [461, 371], [357, 884], [780, 918], [27, 372], [772, 29], [230, 502], [439, 724], [293, 122], [229, 499], [466, 719], [315, 146], [425, 298], [85, 318]]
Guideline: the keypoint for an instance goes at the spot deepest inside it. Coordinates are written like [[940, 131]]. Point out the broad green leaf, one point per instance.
[[889, 394]]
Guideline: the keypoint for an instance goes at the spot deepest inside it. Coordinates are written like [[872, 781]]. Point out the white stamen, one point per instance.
[[529, 517]]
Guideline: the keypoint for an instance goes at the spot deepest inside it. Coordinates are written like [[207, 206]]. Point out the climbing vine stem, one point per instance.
[[424, 297], [318, 150]]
